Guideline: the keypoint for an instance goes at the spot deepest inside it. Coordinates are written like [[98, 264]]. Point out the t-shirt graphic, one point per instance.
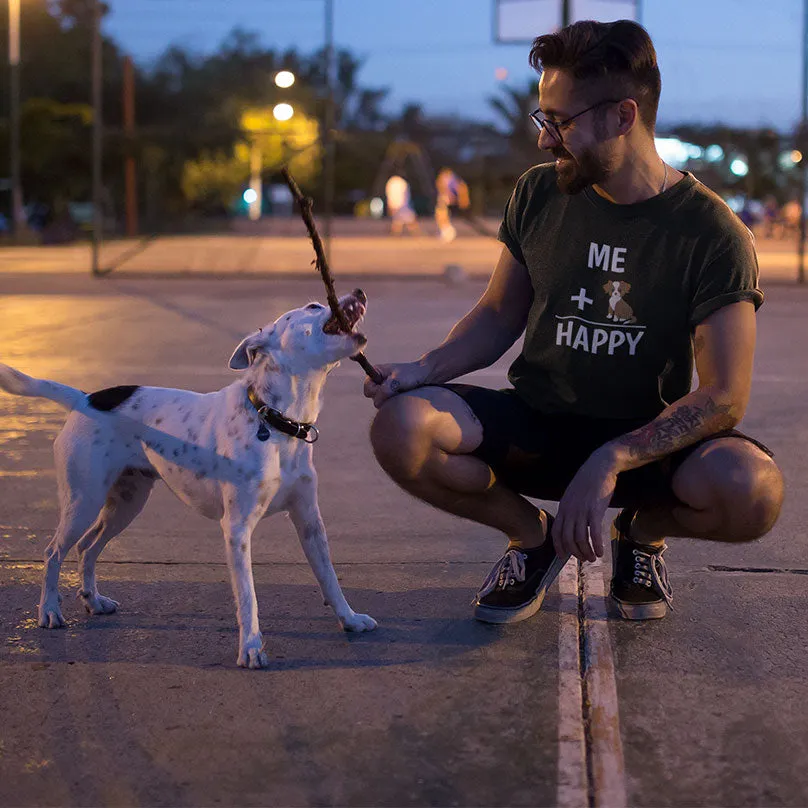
[[618, 290]]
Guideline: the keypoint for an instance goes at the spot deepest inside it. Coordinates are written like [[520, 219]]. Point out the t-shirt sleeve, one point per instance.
[[731, 276], [508, 229]]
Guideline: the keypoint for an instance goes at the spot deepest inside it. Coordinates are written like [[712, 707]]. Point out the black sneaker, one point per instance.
[[640, 586], [516, 586]]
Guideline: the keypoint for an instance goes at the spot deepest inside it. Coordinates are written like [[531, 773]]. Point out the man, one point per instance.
[[452, 192], [399, 208], [621, 269]]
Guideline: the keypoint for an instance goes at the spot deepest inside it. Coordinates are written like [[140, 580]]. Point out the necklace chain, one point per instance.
[[664, 178]]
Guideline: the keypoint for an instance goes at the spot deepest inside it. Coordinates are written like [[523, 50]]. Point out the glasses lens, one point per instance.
[[542, 123]]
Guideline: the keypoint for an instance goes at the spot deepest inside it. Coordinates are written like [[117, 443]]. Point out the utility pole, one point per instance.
[[803, 133], [129, 173], [328, 135], [98, 214], [566, 13], [17, 212]]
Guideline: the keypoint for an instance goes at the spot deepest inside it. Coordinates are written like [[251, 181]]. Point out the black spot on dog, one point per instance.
[[111, 397], [158, 421]]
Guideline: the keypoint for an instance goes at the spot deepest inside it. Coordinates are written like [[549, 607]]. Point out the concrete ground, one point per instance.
[[147, 706]]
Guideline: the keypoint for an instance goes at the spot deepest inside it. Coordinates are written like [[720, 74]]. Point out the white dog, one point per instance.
[[235, 455]]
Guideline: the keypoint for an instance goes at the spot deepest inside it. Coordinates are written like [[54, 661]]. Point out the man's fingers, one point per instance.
[[596, 534], [580, 534]]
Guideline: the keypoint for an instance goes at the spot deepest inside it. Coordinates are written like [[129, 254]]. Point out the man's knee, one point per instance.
[[400, 436], [742, 483]]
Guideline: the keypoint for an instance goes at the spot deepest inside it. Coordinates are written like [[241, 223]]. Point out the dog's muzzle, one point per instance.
[[353, 309]]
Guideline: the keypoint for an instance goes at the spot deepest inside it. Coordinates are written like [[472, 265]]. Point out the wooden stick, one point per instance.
[[305, 204]]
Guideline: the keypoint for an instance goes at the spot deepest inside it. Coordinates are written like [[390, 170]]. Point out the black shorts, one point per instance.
[[538, 455]]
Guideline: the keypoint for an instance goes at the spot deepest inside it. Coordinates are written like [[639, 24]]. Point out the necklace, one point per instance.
[[664, 178]]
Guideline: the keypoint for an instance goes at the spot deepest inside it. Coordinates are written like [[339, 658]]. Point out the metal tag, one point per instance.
[[263, 432]]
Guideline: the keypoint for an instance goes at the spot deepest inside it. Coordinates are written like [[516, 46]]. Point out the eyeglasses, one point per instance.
[[554, 127]]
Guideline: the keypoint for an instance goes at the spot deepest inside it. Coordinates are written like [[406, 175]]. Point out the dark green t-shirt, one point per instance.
[[618, 290]]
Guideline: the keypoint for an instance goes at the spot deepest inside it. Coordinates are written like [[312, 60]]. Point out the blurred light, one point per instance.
[[249, 196], [788, 159], [672, 150], [739, 167], [282, 112], [714, 153], [736, 203], [501, 73], [376, 207], [284, 79]]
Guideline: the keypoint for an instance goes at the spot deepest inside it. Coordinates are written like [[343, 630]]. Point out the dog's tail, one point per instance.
[[18, 384]]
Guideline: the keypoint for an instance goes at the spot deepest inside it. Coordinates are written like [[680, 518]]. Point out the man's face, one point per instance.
[[582, 155]]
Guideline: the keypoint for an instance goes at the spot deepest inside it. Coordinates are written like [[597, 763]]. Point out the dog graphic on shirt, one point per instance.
[[619, 310]]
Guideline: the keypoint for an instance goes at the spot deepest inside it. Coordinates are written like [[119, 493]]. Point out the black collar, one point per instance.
[[276, 419]]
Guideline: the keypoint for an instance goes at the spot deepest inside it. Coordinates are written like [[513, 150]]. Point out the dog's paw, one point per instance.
[[50, 617], [98, 604], [253, 658], [358, 622]]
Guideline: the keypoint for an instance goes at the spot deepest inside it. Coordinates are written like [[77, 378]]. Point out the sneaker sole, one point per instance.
[[501, 615], [641, 611]]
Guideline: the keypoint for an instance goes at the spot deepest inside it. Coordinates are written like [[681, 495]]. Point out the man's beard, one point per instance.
[[575, 174]]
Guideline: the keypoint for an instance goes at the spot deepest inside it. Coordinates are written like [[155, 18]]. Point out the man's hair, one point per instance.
[[614, 57]]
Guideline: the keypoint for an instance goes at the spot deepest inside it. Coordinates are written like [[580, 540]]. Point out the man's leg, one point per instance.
[[731, 491], [422, 439]]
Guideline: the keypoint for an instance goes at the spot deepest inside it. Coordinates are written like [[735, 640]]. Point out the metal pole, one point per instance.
[[98, 214], [17, 212], [566, 15], [328, 140], [804, 132], [130, 170], [638, 11]]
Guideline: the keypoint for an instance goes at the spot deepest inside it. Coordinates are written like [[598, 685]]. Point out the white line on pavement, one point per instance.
[[602, 712], [572, 779]]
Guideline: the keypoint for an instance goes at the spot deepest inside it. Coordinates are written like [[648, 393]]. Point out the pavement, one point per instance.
[[572, 707], [279, 248]]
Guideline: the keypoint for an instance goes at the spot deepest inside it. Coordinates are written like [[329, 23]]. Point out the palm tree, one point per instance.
[[513, 107]]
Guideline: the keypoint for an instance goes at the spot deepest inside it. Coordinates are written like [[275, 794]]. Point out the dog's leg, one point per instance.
[[124, 502], [237, 536], [305, 514], [78, 513]]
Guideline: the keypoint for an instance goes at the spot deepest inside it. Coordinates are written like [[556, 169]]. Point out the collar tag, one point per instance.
[[263, 432]]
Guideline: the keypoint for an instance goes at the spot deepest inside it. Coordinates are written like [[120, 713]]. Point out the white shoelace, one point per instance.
[[650, 572], [509, 570]]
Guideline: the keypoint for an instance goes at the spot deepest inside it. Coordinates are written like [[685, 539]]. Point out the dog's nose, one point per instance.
[[360, 296]]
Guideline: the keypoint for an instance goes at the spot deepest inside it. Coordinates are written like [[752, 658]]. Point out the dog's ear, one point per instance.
[[244, 355], [625, 287], [607, 287]]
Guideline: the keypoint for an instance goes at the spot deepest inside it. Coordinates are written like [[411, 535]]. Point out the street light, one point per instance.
[[283, 112], [17, 213], [284, 79]]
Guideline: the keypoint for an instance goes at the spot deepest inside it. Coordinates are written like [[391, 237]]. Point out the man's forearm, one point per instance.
[[698, 415], [476, 341]]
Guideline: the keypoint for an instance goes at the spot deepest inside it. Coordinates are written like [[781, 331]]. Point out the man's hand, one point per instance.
[[578, 525], [396, 379]]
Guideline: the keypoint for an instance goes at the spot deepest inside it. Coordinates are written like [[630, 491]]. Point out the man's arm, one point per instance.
[[489, 329], [724, 346], [475, 342]]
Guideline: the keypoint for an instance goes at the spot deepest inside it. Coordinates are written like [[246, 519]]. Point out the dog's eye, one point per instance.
[[315, 306]]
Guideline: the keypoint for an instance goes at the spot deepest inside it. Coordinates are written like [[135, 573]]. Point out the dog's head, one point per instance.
[[619, 288], [306, 338]]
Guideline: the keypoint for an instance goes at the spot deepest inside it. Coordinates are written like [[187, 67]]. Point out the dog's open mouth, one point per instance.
[[353, 309]]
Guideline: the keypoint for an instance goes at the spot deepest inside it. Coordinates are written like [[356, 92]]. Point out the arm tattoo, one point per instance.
[[682, 427]]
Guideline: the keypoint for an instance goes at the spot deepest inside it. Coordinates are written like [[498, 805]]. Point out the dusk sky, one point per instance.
[[738, 61]]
